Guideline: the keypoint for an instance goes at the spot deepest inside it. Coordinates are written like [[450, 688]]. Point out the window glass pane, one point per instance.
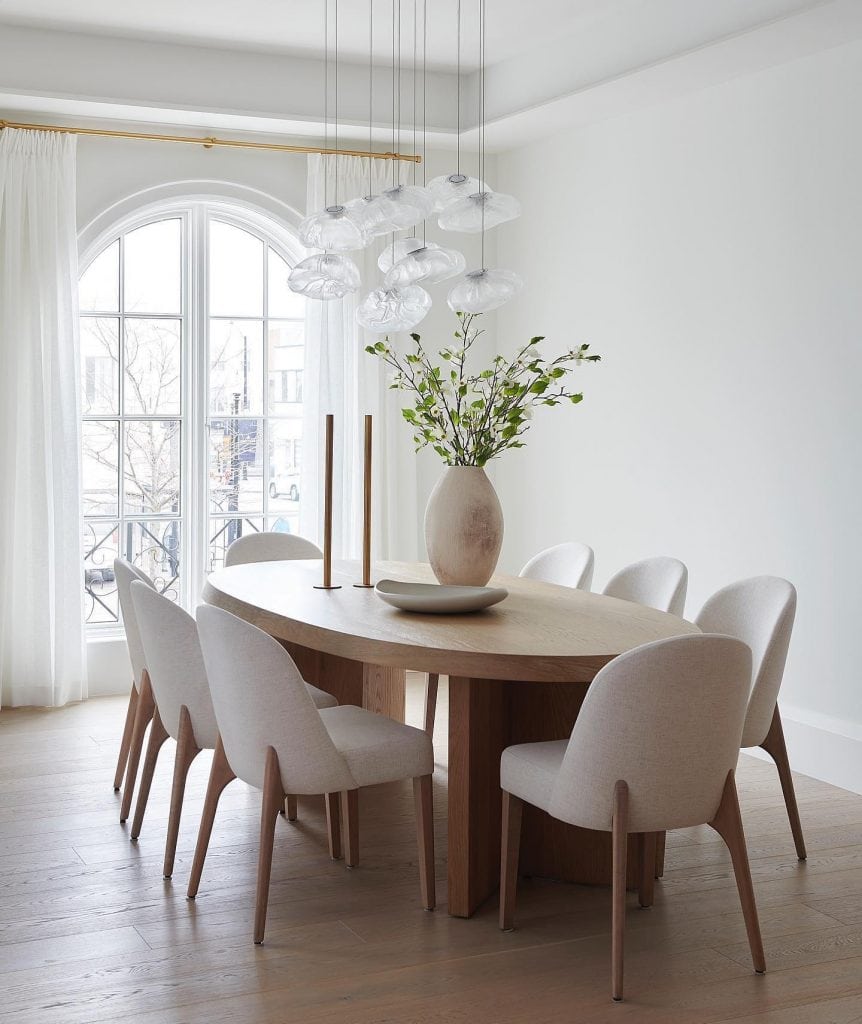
[[100, 467], [236, 271], [286, 344], [285, 452], [152, 276], [152, 367], [223, 532], [100, 365], [100, 587], [99, 287], [235, 472], [151, 467], [155, 547], [282, 301], [236, 366]]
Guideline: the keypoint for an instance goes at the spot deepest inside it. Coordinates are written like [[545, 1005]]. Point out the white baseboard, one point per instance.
[[822, 747]]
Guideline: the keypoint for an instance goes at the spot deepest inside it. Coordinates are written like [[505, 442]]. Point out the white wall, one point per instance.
[[710, 249]]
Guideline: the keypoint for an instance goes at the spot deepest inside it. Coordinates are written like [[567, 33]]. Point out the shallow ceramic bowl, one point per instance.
[[436, 599]]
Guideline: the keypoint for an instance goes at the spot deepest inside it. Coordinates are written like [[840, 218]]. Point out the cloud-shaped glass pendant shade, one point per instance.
[[449, 187], [430, 264], [396, 251], [393, 309], [406, 205], [325, 276], [332, 229], [467, 214], [369, 213], [480, 291]]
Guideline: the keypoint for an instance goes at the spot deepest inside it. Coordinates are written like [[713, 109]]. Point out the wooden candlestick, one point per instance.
[[366, 511], [327, 512]]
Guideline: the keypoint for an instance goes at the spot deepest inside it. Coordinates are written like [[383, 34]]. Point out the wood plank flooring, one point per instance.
[[90, 932]]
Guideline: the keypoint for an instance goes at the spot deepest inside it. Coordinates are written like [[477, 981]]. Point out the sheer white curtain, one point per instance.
[[42, 655], [340, 378]]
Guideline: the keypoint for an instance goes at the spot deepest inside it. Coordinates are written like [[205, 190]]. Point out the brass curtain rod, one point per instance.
[[208, 142]]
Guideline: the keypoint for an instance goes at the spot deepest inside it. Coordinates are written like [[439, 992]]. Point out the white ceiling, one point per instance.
[[514, 27]]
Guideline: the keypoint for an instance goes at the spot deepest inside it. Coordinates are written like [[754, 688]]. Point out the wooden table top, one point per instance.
[[541, 632]]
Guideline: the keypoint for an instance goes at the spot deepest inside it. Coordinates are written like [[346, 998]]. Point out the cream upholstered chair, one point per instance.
[[275, 739], [183, 708], [569, 565], [270, 547], [761, 611], [654, 748], [141, 707], [656, 582]]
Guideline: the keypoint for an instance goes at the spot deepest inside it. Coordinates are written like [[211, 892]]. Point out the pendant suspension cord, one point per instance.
[[424, 102], [415, 9], [325, 100], [370, 90], [335, 2], [482, 119], [458, 91], [394, 71]]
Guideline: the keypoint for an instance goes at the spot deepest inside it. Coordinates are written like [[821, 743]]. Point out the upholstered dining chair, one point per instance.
[[270, 547], [653, 748], [181, 692], [140, 709], [656, 582], [760, 611], [273, 738], [569, 565]]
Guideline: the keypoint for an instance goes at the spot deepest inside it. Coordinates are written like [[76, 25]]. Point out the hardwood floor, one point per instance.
[[91, 932]]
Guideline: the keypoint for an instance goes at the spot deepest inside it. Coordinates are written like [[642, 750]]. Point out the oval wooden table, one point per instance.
[[517, 672]]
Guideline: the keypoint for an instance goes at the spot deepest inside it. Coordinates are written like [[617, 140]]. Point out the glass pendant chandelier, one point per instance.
[[449, 188], [482, 290], [333, 229], [324, 276], [428, 264], [393, 309], [405, 206], [397, 250]]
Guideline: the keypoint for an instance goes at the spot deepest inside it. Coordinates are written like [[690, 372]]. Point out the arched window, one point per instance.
[[192, 353]]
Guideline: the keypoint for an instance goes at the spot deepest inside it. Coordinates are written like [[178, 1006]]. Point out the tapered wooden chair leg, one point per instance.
[[143, 715], [424, 801], [510, 849], [187, 751], [273, 800], [158, 735], [431, 702], [774, 746], [618, 913], [350, 826], [660, 848], [647, 854], [123, 756], [221, 774], [728, 824], [289, 808], [333, 825]]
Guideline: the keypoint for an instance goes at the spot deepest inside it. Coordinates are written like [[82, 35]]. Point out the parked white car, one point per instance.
[[285, 483]]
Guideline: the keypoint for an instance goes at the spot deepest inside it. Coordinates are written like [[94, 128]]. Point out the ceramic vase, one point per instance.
[[463, 527]]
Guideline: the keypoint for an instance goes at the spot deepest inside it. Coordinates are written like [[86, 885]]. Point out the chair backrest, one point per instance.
[[175, 664], [656, 582], [270, 547], [665, 718], [759, 611], [569, 565], [125, 574], [261, 701]]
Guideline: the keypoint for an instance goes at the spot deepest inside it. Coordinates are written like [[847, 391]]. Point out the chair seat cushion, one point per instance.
[[376, 748], [321, 698], [530, 770]]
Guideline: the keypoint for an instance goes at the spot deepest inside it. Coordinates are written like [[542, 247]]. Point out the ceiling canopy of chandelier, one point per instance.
[[461, 202]]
